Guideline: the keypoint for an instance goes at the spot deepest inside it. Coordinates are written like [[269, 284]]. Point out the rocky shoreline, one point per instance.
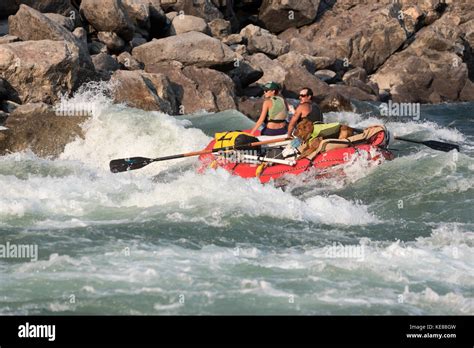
[[184, 56]]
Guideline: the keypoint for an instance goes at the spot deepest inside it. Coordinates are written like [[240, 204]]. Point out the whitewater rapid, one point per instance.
[[167, 240]]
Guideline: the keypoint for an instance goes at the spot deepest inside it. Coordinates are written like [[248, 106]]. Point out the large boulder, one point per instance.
[[39, 129], [193, 48], [280, 15], [145, 91], [108, 15], [128, 62], [354, 93], [197, 88], [250, 107], [66, 22], [112, 41], [205, 9], [105, 63], [261, 40], [139, 12], [185, 23], [299, 77], [43, 28], [311, 63], [49, 6], [432, 69], [273, 70], [363, 35], [245, 73], [40, 26], [40, 70], [335, 102], [220, 28]]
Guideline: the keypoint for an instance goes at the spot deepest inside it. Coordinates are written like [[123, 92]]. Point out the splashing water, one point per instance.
[[139, 242]]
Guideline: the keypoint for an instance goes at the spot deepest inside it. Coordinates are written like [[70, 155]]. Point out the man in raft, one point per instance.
[[274, 112], [305, 110]]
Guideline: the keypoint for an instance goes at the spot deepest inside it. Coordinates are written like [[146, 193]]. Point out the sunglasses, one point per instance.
[[303, 95]]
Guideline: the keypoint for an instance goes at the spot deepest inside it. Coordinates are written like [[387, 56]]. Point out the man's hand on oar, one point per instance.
[[132, 163]]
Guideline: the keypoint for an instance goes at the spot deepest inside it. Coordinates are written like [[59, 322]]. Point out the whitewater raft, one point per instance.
[[370, 145]]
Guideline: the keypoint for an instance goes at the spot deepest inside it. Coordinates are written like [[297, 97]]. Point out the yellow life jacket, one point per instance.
[[234, 138], [325, 130]]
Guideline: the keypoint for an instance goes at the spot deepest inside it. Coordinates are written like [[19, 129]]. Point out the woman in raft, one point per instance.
[[274, 112]]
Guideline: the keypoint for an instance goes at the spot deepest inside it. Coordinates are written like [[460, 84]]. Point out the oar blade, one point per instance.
[[126, 164], [437, 145]]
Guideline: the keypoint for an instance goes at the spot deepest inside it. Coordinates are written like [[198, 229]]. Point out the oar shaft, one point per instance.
[[409, 140], [204, 152]]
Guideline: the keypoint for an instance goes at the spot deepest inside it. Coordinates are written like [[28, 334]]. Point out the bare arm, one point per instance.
[[294, 120], [265, 107]]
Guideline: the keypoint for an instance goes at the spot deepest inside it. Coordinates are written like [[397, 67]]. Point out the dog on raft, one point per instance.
[[304, 131]]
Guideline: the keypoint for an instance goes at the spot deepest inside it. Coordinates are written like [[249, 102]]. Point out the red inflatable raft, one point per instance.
[[372, 148]]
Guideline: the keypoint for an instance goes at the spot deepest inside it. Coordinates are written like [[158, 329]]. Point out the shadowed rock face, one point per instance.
[[48, 68], [193, 48], [434, 68], [108, 15], [280, 15]]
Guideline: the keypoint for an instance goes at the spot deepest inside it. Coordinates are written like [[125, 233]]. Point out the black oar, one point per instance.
[[435, 145], [132, 163]]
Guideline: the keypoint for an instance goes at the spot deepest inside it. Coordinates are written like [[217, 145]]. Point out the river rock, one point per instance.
[[145, 91], [326, 75], [250, 107], [108, 15], [66, 22], [111, 40], [261, 40], [220, 28], [355, 74], [62, 7], [40, 26], [184, 23], [39, 129], [334, 102], [205, 9], [351, 92], [81, 34], [50, 67], [8, 39], [280, 15], [139, 12], [105, 63], [197, 88], [233, 39], [431, 69], [96, 47], [273, 70], [128, 62], [300, 77], [193, 48], [362, 35], [245, 73]]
